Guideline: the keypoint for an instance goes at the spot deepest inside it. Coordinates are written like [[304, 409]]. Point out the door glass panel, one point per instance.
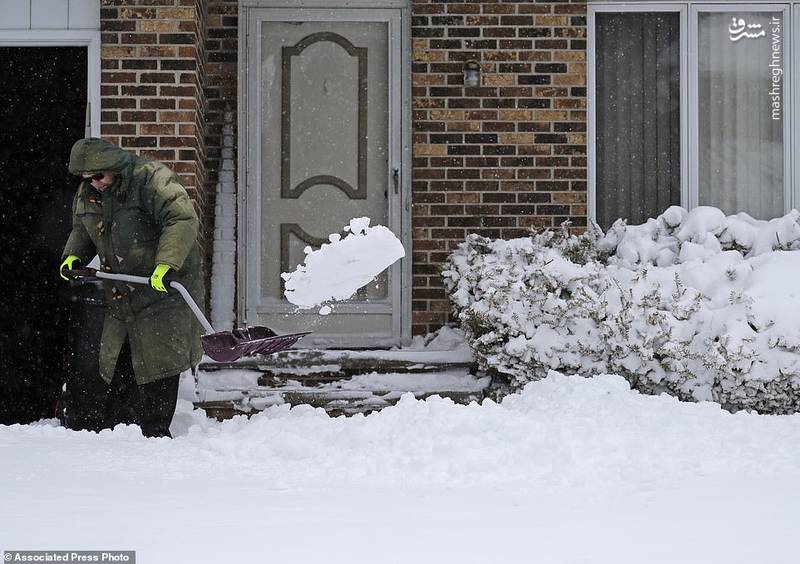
[[741, 111], [325, 140]]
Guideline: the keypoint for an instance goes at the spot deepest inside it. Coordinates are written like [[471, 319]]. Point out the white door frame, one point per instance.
[[396, 13], [66, 38]]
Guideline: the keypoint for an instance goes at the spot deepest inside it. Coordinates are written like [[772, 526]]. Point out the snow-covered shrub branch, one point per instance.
[[695, 304]]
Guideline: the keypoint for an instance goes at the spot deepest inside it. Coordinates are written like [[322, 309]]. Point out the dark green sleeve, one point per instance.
[[173, 209], [79, 243]]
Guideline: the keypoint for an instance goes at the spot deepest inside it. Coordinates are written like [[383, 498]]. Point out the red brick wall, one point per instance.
[[152, 59], [497, 160], [501, 158]]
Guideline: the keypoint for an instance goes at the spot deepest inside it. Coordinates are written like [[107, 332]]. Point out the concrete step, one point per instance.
[[335, 403], [341, 382], [322, 366]]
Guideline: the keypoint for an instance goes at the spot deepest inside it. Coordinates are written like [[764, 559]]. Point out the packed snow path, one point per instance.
[[572, 471]]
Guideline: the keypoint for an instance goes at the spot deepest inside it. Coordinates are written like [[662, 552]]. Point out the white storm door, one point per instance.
[[323, 146]]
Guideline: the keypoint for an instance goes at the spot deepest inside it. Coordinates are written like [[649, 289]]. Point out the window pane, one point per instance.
[[740, 64], [638, 115]]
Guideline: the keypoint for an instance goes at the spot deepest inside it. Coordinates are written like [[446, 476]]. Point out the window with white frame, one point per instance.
[[688, 106]]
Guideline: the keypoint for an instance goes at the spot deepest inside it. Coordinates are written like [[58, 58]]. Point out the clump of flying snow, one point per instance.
[[339, 268]]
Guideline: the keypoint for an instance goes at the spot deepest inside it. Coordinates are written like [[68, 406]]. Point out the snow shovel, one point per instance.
[[222, 346]]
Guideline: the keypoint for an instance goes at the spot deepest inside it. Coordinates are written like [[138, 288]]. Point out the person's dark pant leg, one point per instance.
[[122, 392], [156, 406], [94, 405]]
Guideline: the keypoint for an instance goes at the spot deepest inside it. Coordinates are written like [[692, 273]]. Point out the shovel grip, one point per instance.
[[80, 273], [91, 272]]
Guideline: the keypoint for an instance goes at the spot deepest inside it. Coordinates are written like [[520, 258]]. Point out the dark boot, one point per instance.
[[84, 404], [156, 406]]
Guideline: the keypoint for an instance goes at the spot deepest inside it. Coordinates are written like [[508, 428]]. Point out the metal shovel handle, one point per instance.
[[187, 297]]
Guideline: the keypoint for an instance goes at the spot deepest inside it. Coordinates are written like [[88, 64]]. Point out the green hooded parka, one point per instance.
[[144, 218]]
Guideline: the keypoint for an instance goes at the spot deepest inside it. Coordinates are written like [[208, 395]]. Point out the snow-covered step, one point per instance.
[[335, 403], [316, 357], [342, 381], [320, 366], [224, 392]]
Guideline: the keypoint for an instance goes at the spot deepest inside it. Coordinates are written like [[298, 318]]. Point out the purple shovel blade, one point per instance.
[[227, 346]]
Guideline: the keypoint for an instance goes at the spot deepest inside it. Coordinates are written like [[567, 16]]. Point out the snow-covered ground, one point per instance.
[[572, 470]]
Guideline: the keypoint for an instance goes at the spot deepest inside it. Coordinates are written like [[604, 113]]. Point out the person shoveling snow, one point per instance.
[[338, 269]]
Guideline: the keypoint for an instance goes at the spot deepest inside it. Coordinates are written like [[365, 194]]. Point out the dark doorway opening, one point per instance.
[[42, 113]]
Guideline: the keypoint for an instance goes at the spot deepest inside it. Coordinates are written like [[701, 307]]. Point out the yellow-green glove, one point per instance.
[[157, 278], [67, 264]]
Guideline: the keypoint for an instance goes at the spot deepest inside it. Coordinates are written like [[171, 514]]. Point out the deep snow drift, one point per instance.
[[570, 470]]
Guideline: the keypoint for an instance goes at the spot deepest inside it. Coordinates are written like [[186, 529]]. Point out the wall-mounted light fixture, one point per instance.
[[472, 73]]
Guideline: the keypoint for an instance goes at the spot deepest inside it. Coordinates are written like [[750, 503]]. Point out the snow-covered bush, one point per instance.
[[695, 304]]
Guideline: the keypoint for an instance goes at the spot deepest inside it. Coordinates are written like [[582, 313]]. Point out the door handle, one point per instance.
[[396, 178]]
